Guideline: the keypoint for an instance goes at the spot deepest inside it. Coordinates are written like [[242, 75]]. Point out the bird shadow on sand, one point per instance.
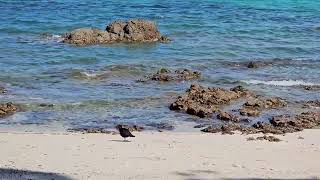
[[122, 141], [16, 174]]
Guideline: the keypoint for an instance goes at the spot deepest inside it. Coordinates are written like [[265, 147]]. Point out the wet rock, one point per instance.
[[253, 107], [252, 64], [200, 126], [249, 112], [312, 104], [166, 75], [203, 102], [90, 130], [7, 109], [228, 117], [118, 31], [268, 138], [2, 90], [224, 129], [162, 126], [311, 88], [278, 125]]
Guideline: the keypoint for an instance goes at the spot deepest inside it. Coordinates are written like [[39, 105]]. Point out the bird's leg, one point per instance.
[[124, 140]]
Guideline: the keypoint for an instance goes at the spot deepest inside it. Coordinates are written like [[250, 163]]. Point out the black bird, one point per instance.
[[124, 132]]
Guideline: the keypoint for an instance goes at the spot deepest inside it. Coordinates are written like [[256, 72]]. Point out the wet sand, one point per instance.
[[158, 155]]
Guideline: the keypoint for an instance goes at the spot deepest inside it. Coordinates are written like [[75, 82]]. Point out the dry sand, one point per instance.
[[166, 155]]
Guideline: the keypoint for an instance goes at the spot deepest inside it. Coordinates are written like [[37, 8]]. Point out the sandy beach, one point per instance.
[[158, 155]]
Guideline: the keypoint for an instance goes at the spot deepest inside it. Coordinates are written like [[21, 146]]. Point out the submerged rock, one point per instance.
[[166, 75], [2, 90], [253, 107], [253, 64], [7, 109], [118, 31], [203, 102]]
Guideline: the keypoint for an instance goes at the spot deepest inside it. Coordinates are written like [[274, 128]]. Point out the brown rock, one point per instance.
[[7, 109], [167, 75], [202, 101], [2, 90], [228, 117], [253, 65], [118, 31]]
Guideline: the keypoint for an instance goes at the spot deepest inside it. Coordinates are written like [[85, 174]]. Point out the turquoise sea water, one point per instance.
[[210, 36]]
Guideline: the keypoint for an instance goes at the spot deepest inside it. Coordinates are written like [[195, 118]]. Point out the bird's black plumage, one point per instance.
[[124, 132]]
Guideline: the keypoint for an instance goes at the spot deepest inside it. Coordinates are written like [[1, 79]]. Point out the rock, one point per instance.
[[253, 107], [311, 88], [312, 104], [203, 102], [166, 75], [89, 130], [7, 109], [162, 126], [3, 90], [252, 65], [249, 112], [268, 138], [118, 31], [87, 36], [228, 117], [278, 125]]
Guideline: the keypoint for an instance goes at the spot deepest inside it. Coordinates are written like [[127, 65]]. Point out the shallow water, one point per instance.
[[96, 85]]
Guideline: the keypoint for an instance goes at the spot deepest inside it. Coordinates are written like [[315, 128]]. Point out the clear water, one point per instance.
[[95, 85]]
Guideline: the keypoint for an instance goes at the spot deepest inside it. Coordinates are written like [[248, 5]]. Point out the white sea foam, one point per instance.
[[89, 74], [282, 83]]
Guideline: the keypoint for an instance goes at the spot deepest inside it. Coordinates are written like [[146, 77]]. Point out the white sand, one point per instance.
[[164, 155]]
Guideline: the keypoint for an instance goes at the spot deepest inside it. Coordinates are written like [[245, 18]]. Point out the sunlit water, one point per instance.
[[96, 85]]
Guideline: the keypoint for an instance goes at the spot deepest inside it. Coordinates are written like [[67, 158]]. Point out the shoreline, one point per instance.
[[159, 155]]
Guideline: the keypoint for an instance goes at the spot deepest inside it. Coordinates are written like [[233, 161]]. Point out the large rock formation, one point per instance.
[[203, 102], [118, 31]]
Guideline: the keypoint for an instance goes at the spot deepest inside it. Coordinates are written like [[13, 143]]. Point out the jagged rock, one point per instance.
[[252, 65], [118, 31], [203, 102], [278, 125], [167, 75], [254, 107], [7, 109], [228, 117], [312, 104]]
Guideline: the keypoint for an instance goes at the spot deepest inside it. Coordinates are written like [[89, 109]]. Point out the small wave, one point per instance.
[[85, 74], [281, 83], [52, 37]]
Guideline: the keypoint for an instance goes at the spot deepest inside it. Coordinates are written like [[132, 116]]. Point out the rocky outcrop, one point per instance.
[[253, 107], [7, 109], [118, 31], [203, 102], [166, 75], [277, 125]]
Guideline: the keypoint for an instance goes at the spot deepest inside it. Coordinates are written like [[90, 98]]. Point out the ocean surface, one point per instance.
[[64, 86]]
